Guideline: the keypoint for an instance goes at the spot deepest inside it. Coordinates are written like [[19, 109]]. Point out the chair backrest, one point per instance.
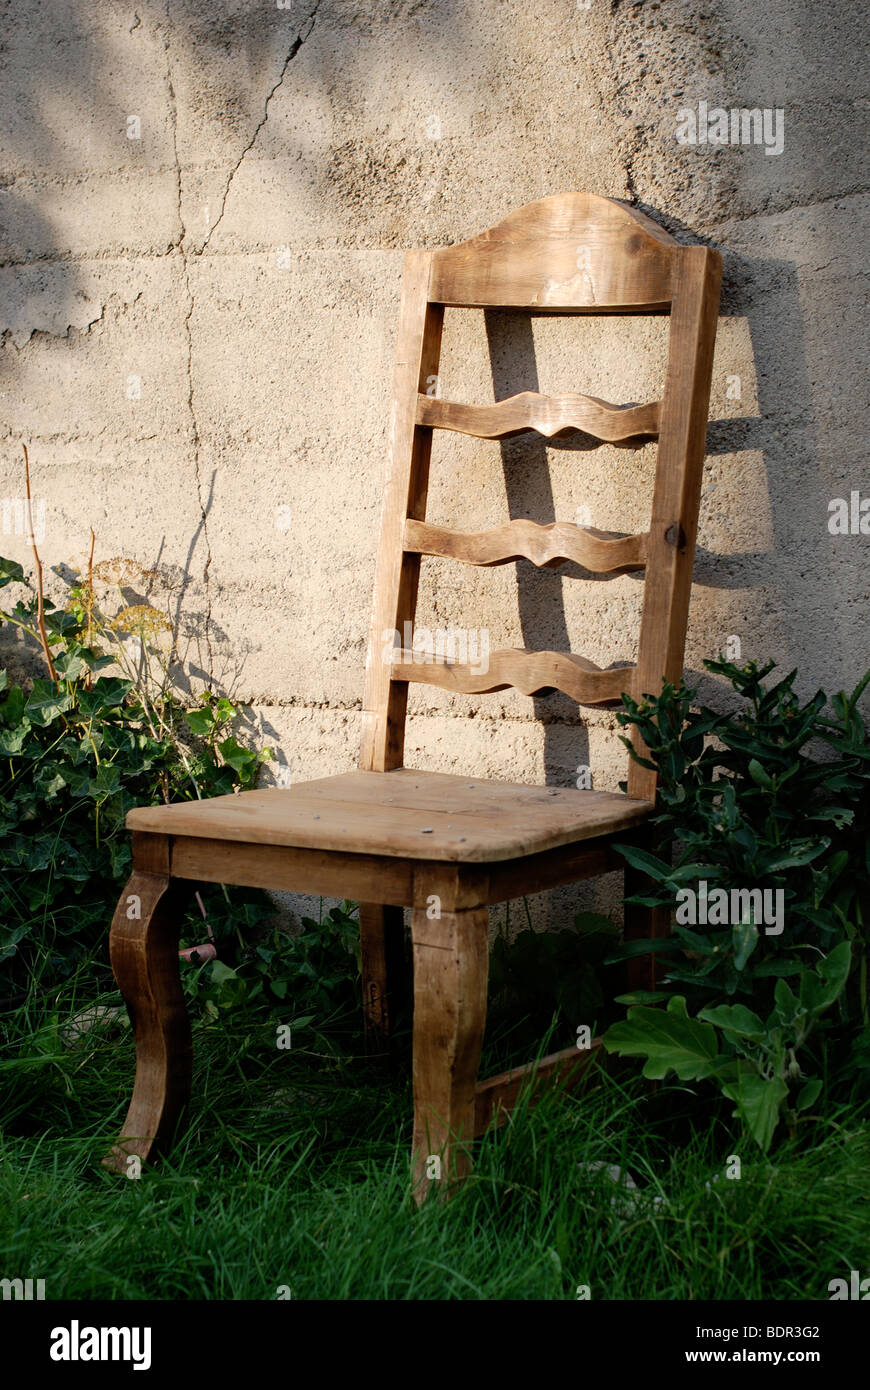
[[572, 253]]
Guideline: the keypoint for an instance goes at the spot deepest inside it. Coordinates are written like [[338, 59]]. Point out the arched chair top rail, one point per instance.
[[571, 251]]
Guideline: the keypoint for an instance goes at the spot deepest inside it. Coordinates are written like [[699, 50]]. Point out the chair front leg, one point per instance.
[[143, 945], [451, 966]]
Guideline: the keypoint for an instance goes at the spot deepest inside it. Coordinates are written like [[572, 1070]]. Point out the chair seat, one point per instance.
[[416, 815]]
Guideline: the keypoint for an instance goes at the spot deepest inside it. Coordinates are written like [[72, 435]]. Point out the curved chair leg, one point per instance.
[[143, 946]]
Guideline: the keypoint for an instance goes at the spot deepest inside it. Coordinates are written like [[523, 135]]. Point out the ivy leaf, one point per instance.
[[106, 782], [12, 740], [10, 571], [200, 721], [108, 692], [69, 665], [46, 703], [240, 759], [60, 622]]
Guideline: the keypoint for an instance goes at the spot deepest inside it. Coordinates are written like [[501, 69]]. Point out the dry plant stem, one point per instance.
[[40, 600], [90, 600], [154, 714]]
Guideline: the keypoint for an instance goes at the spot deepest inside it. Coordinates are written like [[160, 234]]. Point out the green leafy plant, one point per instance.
[[315, 971], [771, 799], [552, 977], [754, 1062], [103, 731]]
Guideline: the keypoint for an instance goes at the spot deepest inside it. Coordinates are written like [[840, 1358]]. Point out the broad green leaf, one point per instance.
[[759, 1102], [106, 782], [239, 758], [46, 703], [629, 949], [744, 939], [59, 623], [776, 968], [588, 923], [641, 996], [797, 857], [10, 571], [821, 988], [704, 945], [12, 741], [107, 692], [758, 774], [221, 973], [200, 721], [788, 1005], [808, 1094], [736, 1019], [669, 1039], [648, 863], [68, 665]]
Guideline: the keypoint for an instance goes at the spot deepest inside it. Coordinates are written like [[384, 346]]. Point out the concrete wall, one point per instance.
[[198, 329]]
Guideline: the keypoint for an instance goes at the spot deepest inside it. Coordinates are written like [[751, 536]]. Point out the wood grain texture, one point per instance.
[[143, 946], [404, 814], [600, 552], [546, 415], [535, 873], [386, 879], [418, 348], [381, 967], [328, 873], [389, 836], [495, 1098], [451, 965], [528, 672], [677, 491], [570, 251]]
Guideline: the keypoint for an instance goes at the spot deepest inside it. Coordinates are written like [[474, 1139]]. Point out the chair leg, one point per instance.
[[143, 945], [451, 966], [382, 931]]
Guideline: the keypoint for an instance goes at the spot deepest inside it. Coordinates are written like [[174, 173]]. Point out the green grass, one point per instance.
[[294, 1171]]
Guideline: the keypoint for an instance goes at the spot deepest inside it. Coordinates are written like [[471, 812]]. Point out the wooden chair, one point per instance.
[[448, 846]]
